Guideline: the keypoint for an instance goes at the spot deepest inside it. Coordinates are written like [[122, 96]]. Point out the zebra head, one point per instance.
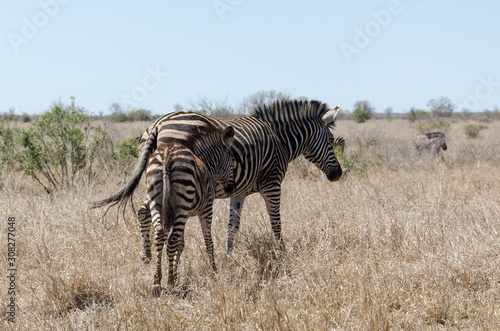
[[320, 150], [224, 172]]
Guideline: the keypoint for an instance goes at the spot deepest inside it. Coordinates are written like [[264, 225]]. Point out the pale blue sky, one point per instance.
[[154, 54]]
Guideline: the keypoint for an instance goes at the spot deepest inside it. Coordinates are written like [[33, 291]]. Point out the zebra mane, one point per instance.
[[287, 111]]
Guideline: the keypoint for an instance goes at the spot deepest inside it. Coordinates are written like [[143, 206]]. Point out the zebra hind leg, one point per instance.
[[175, 245], [144, 217], [160, 241], [206, 229]]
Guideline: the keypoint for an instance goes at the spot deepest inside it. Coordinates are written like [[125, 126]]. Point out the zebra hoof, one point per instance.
[[156, 290]]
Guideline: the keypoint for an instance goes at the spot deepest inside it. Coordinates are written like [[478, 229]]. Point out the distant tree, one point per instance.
[[212, 107], [441, 107], [363, 111], [388, 113], [115, 108], [466, 114], [366, 106], [417, 115], [360, 115], [178, 107], [261, 98]]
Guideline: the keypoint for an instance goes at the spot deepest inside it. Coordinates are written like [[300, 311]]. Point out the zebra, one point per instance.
[[339, 141], [431, 143], [181, 182], [264, 144]]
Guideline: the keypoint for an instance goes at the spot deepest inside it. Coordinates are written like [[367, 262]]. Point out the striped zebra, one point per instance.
[[181, 182], [339, 141], [264, 144], [431, 143]]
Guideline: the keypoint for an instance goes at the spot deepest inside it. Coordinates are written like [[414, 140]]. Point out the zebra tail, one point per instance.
[[166, 208], [126, 193]]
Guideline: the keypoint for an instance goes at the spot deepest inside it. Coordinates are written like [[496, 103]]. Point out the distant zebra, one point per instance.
[[181, 182], [263, 146], [431, 143], [339, 141]]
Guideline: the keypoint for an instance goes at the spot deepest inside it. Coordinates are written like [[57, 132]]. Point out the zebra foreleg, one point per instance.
[[236, 204], [272, 198], [144, 217]]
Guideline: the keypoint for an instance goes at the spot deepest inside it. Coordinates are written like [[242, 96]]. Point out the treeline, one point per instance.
[[361, 111], [66, 147]]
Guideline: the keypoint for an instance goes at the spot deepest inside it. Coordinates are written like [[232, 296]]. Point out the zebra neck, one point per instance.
[[293, 142]]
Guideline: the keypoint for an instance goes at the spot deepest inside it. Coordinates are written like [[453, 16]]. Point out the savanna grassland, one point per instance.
[[400, 242]]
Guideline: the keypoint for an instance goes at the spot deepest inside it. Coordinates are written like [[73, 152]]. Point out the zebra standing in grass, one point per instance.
[[263, 146], [431, 143], [181, 182]]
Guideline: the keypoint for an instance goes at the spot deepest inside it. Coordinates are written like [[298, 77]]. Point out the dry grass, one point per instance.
[[412, 244]]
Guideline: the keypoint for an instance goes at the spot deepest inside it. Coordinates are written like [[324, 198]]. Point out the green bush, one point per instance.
[[125, 155], [362, 158], [140, 115], [438, 124], [417, 115], [361, 115], [472, 130], [61, 147], [128, 148], [8, 145], [26, 118], [119, 117]]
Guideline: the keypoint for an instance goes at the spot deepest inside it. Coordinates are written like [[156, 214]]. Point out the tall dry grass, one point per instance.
[[412, 244]]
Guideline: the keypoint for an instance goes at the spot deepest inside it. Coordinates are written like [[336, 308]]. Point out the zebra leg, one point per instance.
[[272, 196], [144, 217], [206, 229], [175, 245], [160, 241], [236, 204]]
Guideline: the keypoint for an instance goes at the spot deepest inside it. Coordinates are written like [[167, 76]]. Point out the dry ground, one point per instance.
[[411, 244]]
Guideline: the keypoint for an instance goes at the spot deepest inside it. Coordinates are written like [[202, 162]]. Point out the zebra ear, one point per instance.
[[228, 136], [330, 115]]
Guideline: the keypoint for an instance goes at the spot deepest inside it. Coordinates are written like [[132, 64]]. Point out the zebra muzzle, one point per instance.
[[335, 174]]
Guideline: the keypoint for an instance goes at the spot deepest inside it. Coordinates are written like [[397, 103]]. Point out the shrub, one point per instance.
[[363, 157], [361, 115], [60, 148], [417, 115], [139, 115], [125, 155], [119, 117], [472, 130], [8, 146], [26, 118], [438, 124]]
